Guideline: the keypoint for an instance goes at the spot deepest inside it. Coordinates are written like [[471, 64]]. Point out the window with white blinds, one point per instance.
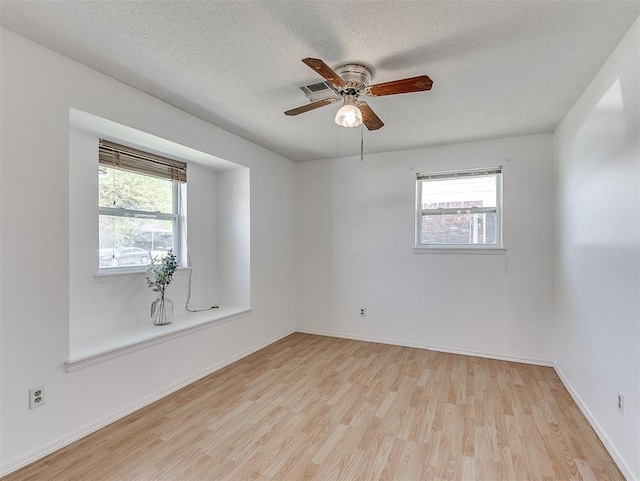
[[459, 208]]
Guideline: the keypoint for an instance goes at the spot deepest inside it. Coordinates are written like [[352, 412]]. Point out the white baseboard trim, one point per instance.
[[624, 468], [419, 345], [66, 440]]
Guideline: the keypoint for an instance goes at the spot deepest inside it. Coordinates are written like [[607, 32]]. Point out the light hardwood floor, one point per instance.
[[312, 407]]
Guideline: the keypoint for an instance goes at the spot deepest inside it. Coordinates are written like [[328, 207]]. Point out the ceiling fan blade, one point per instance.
[[325, 71], [404, 86], [311, 106], [369, 117]]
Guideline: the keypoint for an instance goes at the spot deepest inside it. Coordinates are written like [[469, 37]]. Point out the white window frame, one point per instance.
[[421, 178], [175, 216], [143, 163]]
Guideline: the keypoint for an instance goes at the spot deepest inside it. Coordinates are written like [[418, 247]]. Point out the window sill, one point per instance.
[[89, 351], [494, 250], [127, 271]]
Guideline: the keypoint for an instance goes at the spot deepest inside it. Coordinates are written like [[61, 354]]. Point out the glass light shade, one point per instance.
[[348, 116]]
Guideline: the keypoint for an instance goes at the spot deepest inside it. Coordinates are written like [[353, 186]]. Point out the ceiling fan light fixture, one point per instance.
[[348, 82], [349, 115]]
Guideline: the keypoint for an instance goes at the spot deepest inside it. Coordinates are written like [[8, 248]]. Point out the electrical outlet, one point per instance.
[[36, 397], [363, 312], [621, 403]]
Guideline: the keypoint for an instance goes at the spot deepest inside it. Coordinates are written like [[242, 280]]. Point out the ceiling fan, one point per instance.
[[349, 82]]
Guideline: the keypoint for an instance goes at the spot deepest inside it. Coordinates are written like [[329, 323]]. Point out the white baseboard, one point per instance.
[[419, 345], [624, 468], [66, 440]]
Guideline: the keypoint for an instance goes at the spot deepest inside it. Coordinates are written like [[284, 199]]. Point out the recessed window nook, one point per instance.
[[110, 312]]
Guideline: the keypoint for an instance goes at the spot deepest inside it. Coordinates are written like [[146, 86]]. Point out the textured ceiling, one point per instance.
[[500, 68]]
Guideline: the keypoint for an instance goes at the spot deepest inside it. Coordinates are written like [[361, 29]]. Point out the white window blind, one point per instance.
[[454, 174]]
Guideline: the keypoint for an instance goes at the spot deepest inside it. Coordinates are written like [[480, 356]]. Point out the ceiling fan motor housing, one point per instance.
[[356, 76]]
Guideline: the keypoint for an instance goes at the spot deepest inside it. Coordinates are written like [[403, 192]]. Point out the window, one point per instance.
[[460, 208], [139, 206]]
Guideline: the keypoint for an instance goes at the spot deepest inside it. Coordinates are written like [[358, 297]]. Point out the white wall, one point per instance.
[[597, 333], [38, 87], [234, 232], [355, 233]]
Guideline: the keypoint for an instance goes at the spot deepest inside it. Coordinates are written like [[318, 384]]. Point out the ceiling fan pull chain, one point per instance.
[[361, 143]]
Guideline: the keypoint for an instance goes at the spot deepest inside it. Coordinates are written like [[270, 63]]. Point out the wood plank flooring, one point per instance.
[[318, 408]]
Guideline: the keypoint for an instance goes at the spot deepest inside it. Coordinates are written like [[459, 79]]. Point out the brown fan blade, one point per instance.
[[311, 106], [325, 71], [369, 117], [404, 86]]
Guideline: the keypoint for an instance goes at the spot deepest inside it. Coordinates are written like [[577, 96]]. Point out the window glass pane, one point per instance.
[[459, 229], [128, 190], [476, 191], [127, 241]]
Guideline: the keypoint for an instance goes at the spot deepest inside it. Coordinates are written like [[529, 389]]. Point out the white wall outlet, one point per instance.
[[363, 312], [36, 397], [621, 403]]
